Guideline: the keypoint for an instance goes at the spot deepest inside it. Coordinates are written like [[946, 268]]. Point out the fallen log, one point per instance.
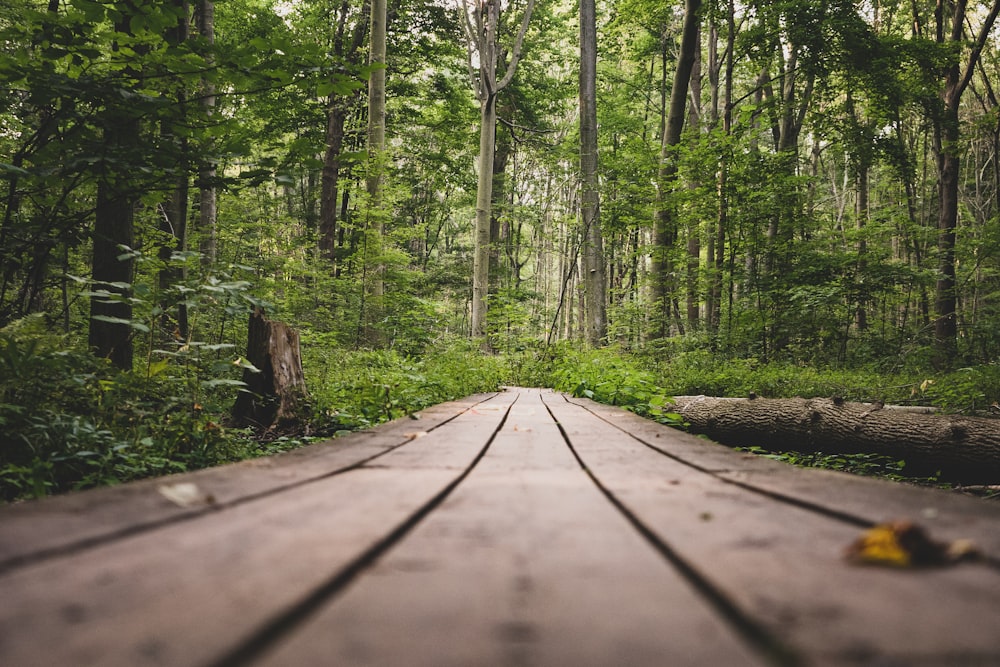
[[276, 395], [956, 448]]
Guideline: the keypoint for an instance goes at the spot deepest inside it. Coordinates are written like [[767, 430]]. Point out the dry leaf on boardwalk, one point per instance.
[[906, 544]]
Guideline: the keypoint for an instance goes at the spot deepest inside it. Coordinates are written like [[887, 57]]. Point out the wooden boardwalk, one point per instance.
[[522, 528]]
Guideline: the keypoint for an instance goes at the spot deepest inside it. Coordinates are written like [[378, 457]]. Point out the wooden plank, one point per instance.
[[948, 516], [526, 563], [781, 564], [34, 530], [188, 593]]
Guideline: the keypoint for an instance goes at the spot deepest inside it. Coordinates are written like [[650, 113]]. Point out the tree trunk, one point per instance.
[[112, 267], [481, 32], [665, 226], [947, 146], [338, 106], [960, 448], [275, 396], [594, 278], [330, 184], [484, 197], [208, 200], [376, 104], [174, 209], [110, 333]]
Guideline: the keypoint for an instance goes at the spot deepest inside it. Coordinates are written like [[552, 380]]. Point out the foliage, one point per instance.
[[71, 421], [871, 465], [356, 389]]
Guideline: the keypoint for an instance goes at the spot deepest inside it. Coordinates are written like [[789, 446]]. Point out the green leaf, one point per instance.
[[139, 326]]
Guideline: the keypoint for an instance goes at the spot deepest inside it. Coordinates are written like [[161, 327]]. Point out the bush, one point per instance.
[[355, 389]]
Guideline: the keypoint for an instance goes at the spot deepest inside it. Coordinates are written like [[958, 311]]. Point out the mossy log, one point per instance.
[[965, 449], [275, 396]]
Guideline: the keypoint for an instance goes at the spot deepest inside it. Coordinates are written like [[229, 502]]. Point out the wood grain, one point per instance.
[[188, 592], [782, 565], [34, 530], [526, 563], [517, 529], [949, 516]]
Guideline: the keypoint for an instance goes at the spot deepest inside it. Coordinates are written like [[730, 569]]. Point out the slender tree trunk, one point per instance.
[[861, 210], [947, 148], [481, 22], [484, 199], [693, 268], [174, 213], [208, 200], [502, 150], [665, 227], [376, 134], [338, 106], [330, 184], [594, 276]]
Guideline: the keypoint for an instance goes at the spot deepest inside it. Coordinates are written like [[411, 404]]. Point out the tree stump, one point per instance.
[[275, 396]]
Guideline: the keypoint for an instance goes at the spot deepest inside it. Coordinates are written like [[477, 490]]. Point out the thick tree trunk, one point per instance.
[[963, 449], [275, 396], [110, 333]]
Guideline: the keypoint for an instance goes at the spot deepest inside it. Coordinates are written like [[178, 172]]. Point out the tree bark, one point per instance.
[[947, 146], [965, 449], [666, 223], [275, 396], [207, 195], [110, 334], [481, 34], [376, 105], [594, 277]]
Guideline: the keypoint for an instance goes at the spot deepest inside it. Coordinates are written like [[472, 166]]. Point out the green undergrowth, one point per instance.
[[633, 380], [69, 421], [356, 389], [646, 385]]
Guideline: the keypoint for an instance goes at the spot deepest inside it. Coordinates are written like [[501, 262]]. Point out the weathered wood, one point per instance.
[[526, 563], [275, 393], [858, 500], [959, 448], [481, 535], [187, 593], [782, 565], [35, 530]]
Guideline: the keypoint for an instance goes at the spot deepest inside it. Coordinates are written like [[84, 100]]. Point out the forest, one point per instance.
[[627, 200]]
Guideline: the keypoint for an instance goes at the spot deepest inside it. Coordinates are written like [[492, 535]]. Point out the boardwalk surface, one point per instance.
[[522, 528]]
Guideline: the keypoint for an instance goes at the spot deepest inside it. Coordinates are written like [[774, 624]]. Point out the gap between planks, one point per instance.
[[36, 531]]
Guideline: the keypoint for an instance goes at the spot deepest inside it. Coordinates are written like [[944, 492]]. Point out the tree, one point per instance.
[[346, 49], [481, 25], [594, 278], [376, 121], [207, 175], [950, 28], [665, 227]]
